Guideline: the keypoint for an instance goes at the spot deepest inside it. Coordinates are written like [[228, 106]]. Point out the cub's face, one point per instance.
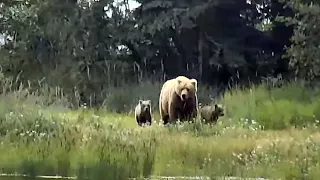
[[186, 88], [145, 105], [218, 110]]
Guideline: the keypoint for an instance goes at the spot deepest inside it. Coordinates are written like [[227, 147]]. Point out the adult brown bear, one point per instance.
[[178, 100]]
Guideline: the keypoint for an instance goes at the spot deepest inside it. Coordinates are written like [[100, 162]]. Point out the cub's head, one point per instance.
[[185, 87], [218, 110], [145, 105]]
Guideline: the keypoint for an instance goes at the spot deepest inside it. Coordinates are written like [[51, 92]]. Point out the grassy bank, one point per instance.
[[268, 132]]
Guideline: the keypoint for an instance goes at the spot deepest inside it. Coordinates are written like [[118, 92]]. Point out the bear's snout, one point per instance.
[[183, 96], [146, 109]]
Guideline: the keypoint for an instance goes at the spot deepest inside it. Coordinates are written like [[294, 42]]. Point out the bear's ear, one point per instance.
[[140, 101], [194, 82], [149, 101], [179, 81]]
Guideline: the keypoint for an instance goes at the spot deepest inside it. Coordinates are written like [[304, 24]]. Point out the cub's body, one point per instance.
[[211, 114], [143, 113]]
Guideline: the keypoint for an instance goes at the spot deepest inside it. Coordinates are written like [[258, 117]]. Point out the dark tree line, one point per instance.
[[81, 45]]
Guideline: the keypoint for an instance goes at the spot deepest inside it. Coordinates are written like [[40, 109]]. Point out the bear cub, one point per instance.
[[211, 113], [142, 112]]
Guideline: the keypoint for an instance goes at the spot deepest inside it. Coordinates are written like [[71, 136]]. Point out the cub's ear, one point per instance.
[[140, 101], [179, 81]]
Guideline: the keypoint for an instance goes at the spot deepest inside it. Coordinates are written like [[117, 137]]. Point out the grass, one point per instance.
[[267, 132]]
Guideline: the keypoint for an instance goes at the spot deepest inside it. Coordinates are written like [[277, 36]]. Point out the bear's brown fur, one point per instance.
[[178, 99], [211, 114]]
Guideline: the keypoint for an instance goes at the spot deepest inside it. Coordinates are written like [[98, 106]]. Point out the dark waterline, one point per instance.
[[27, 178]]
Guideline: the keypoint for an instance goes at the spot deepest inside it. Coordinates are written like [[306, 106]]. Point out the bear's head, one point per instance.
[[185, 88], [145, 105]]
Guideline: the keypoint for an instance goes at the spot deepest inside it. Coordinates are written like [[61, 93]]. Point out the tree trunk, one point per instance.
[[200, 55]]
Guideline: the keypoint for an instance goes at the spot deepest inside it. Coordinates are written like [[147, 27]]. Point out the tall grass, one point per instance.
[[293, 104], [267, 132]]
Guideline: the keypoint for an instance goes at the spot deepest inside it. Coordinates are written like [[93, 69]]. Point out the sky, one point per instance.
[[133, 4]]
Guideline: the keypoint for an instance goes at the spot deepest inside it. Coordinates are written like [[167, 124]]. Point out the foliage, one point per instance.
[[86, 48], [303, 51]]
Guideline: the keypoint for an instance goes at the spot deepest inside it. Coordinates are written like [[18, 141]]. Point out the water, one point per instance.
[[153, 178], [20, 178], [29, 178]]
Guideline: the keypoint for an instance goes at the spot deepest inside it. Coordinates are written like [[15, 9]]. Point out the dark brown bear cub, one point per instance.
[[143, 112], [211, 114]]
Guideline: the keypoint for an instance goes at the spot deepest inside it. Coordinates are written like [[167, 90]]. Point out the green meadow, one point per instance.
[[268, 131]]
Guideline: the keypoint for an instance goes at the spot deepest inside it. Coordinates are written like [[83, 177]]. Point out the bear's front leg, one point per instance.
[[194, 113], [196, 107], [138, 121], [194, 110], [173, 115]]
